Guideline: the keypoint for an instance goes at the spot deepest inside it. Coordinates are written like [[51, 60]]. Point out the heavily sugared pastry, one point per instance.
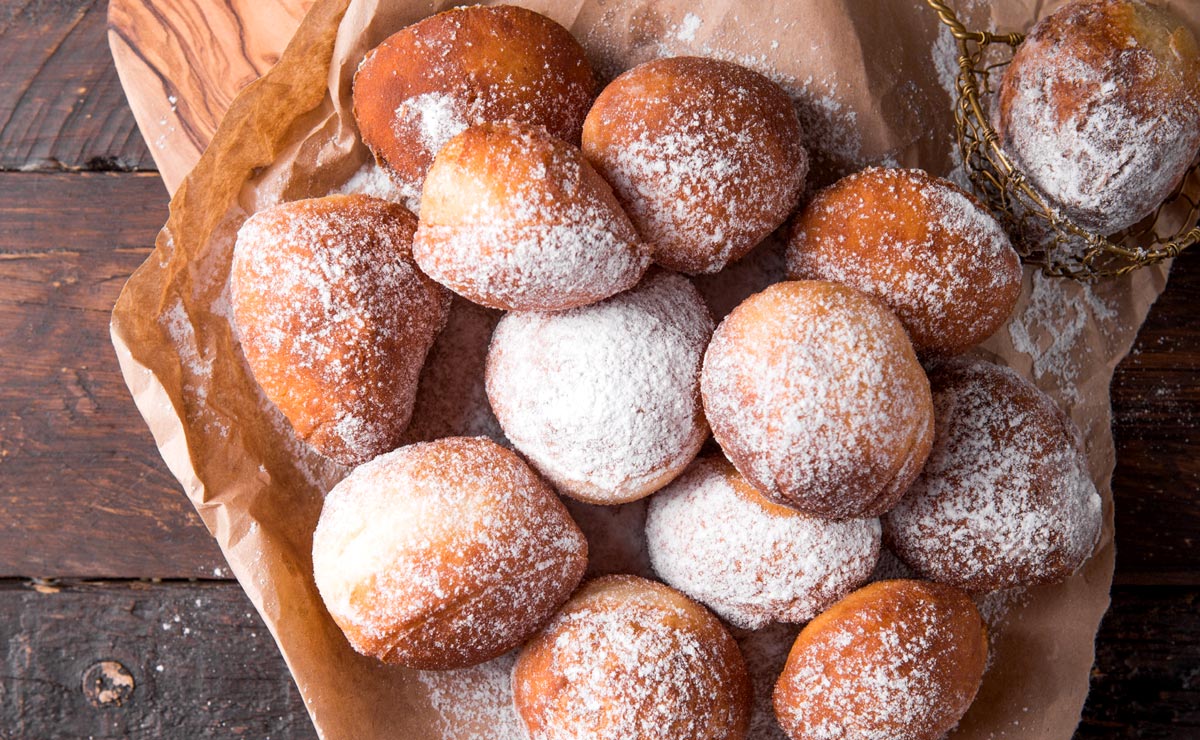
[[921, 245], [604, 400], [712, 536], [444, 554], [706, 156], [516, 219], [814, 393], [900, 660], [1100, 108], [1006, 499], [463, 67], [335, 319], [631, 659]]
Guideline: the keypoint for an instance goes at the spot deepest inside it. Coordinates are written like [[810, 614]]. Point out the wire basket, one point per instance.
[[1042, 234]]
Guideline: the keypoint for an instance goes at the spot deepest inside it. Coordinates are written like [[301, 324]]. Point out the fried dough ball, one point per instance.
[[335, 319], [897, 659], [444, 554], [631, 659], [1100, 108], [814, 393], [918, 243], [463, 67], [513, 218], [706, 156], [1006, 499]]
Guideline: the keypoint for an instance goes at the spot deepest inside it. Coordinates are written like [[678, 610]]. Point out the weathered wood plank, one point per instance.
[[202, 664], [183, 61], [1156, 424], [61, 104], [140, 660], [82, 488]]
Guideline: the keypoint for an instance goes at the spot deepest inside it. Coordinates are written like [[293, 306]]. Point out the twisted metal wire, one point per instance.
[[1042, 234]]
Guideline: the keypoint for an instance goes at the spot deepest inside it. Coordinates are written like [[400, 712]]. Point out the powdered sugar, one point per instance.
[[445, 553], [814, 393], [1096, 115], [753, 562], [924, 247], [766, 652], [515, 219], [628, 658], [1005, 499], [604, 399], [436, 116], [475, 703], [373, 180]]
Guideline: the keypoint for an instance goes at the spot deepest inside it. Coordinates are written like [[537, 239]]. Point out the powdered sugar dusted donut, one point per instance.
[[721, 542], [1005, 499], [513, 218], [605, 400], [463, 67], [444, 554], [631, 659], [900, 660], [814, 393], [335, 319], [921, 245], [1101, 109], [706, 156]]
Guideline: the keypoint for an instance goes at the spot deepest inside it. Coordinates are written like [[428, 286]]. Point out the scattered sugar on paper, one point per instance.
[[475, 703]]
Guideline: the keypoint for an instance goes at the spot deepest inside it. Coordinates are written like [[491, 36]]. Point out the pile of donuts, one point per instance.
[[845, 413]]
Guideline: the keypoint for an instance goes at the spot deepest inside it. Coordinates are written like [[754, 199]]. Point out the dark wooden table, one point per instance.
[[117, 616]]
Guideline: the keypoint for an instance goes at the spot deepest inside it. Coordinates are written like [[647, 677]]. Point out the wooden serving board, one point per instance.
[[182, 62]]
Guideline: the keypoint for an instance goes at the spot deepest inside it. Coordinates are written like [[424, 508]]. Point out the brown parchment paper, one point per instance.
[[872, 82]]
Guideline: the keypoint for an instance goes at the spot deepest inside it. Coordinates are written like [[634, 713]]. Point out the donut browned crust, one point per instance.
[[335, 319], [444, 554], [463, 67], [921, 245], [1006, 499], [814, 393], [706, 156], [631, 659], [1100, 108], [896, 659], [516, 219]]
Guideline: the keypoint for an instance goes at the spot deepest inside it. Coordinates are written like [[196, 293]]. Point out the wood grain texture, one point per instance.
[[183, 61], [61, 105], [141, 660], [82, 488]]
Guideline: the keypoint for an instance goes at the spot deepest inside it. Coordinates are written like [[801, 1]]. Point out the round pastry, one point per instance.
[[463, 67], [516, 219], [1100, 108], [604, 400], [706, 156], [901, 660], [712, 536], [631, 659], [335, 320], [1006, 499], [815, 395], [918, 243], [444, 554]]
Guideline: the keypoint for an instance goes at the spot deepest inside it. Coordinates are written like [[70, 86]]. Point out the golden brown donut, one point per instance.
[[631, 659], [516, 219], [444, 554], [1100, 108], [335, 319], [715, 538], [921, 245], [901, 660], [604, 400], [707, 157], [814, 393], [1006, 499], [463, 67]]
